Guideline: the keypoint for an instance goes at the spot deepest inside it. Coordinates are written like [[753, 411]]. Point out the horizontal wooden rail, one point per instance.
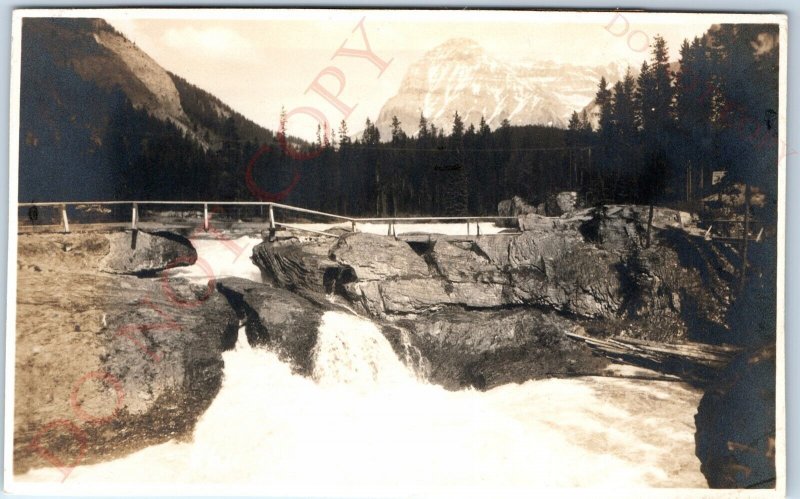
[[428, 219], [276, 205], [203, 206], [313, 231]]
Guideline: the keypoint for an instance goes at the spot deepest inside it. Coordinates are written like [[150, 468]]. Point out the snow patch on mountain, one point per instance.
[[459, 75]]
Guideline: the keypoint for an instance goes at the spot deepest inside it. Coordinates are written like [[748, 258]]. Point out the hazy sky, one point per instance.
[[258, 61]]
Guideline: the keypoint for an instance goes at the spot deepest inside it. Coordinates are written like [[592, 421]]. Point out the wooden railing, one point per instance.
[[273, 224]]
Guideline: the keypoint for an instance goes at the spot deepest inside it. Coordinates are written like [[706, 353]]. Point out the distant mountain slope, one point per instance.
[[100, 119], [459, 75]]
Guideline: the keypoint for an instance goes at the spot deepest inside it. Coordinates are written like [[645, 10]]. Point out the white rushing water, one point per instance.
[[363, 424]]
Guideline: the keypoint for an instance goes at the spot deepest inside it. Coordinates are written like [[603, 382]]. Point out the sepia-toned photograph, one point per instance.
[[392, 253]]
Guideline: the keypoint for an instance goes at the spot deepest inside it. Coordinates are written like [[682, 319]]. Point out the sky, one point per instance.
[[260, 61]]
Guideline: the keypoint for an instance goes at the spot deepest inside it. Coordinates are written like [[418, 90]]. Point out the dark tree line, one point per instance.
[[462, 170], [660, 135]]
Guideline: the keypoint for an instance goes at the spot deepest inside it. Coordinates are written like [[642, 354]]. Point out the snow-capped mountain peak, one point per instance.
[[459, 75]]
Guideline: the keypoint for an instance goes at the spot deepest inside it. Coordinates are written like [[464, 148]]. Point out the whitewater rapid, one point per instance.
[[364, 424]]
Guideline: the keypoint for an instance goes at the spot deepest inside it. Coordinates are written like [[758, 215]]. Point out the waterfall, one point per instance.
[[352, 351], [365, 424]]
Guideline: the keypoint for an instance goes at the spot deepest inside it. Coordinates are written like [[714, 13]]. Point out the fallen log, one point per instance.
[[693, 361]]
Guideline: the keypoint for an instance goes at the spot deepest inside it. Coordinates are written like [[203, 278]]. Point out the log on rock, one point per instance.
[[698, 361]]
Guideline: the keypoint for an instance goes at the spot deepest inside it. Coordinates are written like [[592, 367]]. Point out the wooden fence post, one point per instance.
[[64, 218], [134, 216], [271, 218]]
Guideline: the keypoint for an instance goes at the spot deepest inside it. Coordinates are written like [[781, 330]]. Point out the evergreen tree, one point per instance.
[[574, 124], [397, 132], [483, 128], [603, 101], [695, 92], [344, 137]]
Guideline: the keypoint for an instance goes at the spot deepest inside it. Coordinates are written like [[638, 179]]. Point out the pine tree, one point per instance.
[[624, 111], [454, 179], [344, 137], [695, 93], [574, 124], [603, 101], [423, 127], [644, 99], [483, 128], [458, 127], [397, 133], [663, 95]]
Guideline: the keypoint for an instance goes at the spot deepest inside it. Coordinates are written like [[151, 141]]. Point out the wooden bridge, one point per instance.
[[471, 224]]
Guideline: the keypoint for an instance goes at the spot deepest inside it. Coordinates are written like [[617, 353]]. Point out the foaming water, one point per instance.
[[218, 258], [364, 424]]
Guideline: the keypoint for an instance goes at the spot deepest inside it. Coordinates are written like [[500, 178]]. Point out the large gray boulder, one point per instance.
[[515, 207], [142, 253], [372, 257], [562, 203], [120, 363]]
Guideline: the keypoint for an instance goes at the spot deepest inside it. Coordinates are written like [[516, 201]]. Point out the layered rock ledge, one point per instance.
[[590, 266]]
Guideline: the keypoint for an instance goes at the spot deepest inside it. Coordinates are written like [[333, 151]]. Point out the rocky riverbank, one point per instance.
[[475, 306], [108, 363], [114, 355]]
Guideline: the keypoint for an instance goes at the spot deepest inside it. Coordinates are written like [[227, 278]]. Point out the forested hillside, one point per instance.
[[86, 135]]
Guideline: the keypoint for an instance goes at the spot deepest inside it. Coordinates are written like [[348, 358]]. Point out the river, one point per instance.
[[365, 424]]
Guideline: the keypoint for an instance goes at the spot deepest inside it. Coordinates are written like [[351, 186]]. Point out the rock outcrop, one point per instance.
[[735, 439], [516, 207], [593, 264], [286, 321], [486, 310], [136, 252], [295, 265], [485, 348], [562, 203], [117, 363]]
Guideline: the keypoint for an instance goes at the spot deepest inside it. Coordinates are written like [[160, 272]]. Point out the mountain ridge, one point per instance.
[[95, 110], [460, 75]]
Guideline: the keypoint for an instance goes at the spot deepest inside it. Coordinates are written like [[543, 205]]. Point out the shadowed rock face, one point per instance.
[[277, 317], [117, 363], [145, 253], [488, 348], [735, 421]]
